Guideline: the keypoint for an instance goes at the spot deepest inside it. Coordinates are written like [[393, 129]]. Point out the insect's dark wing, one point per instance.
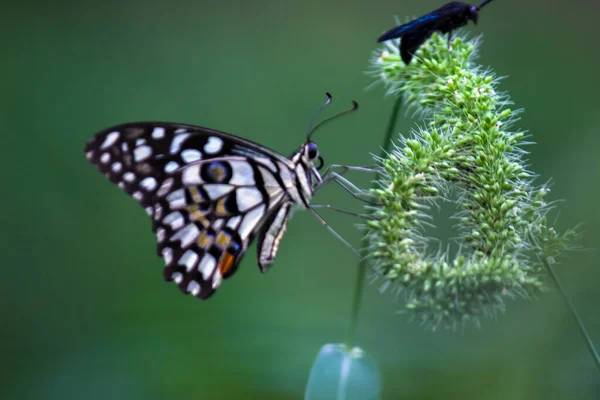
[[426, 22], [410, 43], [208, 193]]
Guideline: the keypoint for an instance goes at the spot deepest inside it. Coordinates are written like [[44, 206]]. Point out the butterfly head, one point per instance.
[[310, 155]]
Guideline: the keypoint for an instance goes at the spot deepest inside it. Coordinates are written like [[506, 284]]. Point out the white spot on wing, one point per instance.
[[111, 138], [105, 158], [176, 199], [242, 173], [177, 141], [149, 183], [129, 176], [191, 175], [193, 287], [158, 212], [217, 190], [207, 266], [158, 133], [217, 224], [214, 145], [160, 235], [167, 254], [125, 147], [177, 277], [191, 155], [217, 279], [165, 187], [248, 198], [138, 196], [171, 166], [117, 167], [89, 155], [250, 220], [188, 259], [174, 219], [142, 152], [187, 234], [234, 222], [140, 142]]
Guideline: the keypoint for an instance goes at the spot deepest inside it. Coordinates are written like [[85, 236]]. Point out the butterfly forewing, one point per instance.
[[138, 156], [208, 193]]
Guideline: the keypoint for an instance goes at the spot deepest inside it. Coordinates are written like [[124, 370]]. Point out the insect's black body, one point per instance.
[[445, 19]]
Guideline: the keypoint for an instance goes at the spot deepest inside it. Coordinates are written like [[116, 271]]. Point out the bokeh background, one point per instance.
[[85, 311]]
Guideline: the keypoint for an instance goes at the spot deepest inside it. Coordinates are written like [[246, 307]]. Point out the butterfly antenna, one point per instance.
[[483, 3], [350, 110], [312, 120]]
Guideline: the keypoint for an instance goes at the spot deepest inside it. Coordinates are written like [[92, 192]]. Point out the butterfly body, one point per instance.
[[445, 19], [209, 194]]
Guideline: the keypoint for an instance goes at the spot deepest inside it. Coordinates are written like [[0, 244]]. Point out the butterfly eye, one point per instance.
[[312, 150]]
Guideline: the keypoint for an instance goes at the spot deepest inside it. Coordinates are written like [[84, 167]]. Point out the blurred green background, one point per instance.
[[85, 311]]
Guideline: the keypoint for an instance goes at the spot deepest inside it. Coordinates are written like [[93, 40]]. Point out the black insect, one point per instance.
[[445, 19]]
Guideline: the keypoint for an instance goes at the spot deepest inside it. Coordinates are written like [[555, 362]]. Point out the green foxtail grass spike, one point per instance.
[[466, 149]]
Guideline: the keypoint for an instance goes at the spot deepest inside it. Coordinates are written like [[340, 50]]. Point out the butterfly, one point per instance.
[[445, 19], [209, 193]]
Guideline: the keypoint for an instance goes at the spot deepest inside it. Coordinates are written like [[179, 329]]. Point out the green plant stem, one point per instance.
[[571, 308], [360, 275]]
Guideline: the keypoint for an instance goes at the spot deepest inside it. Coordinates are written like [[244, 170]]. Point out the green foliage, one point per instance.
[[466, 149]]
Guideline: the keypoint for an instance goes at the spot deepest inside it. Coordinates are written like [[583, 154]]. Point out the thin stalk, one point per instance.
[[362, 266], [571, 308]]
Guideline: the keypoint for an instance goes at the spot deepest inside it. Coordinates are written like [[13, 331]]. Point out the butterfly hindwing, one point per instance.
[[205, 217]]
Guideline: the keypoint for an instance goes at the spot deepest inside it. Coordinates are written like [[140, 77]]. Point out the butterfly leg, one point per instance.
[[345, 168], [340, 238], [354, 191], [450, 41], [334, 233], [331, 175], [329, 207]]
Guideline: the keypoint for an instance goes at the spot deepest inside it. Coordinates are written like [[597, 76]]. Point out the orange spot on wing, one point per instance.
[[226, 263]]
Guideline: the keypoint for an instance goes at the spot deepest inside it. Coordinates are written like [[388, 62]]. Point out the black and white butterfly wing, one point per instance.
[[207, 214], [138, 156], [209, 194]]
